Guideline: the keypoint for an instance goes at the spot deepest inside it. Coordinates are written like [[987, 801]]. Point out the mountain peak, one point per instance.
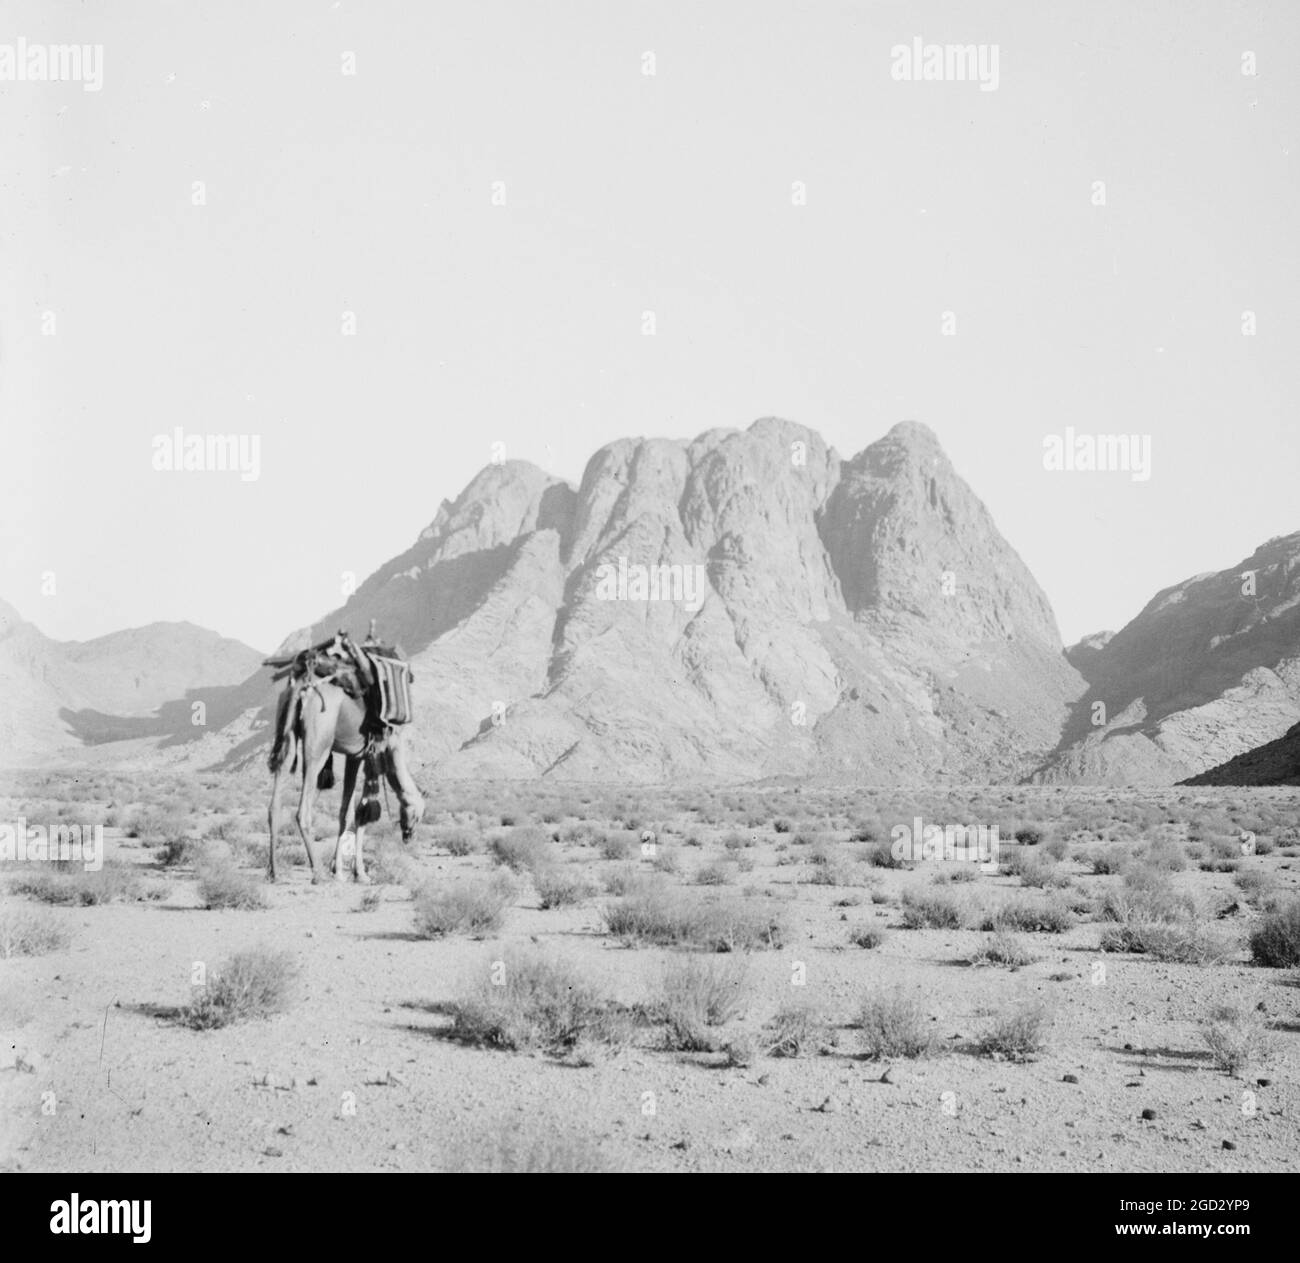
[[914, 434], [906, 534]]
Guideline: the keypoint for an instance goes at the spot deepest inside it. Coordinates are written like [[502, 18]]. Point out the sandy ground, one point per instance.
[[358, 1073]]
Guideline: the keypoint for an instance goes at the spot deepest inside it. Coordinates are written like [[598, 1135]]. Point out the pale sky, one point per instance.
[[625, 193]]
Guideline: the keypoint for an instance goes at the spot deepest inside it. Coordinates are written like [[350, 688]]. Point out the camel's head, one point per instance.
[[412, 814]]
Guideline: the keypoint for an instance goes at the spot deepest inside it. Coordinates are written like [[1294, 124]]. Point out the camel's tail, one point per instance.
[[288, 714]]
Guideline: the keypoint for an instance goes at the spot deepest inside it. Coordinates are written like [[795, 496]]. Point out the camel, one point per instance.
[[316, 719]]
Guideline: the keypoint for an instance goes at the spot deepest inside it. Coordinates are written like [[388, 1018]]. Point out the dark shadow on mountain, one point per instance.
[[174, 721], [412, 603], [556, 512], [1273, 763], [412, 606]]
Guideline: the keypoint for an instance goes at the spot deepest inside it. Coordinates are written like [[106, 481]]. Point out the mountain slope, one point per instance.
[[1275, 763], [1208, 670]]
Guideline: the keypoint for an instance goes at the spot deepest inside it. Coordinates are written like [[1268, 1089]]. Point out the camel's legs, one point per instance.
[[403, 783], [359, 865], [272, 822], [289, 760], [347, 811], [312, 762]]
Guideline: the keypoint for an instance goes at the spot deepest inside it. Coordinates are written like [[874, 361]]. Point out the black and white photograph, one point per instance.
[[650, 587]]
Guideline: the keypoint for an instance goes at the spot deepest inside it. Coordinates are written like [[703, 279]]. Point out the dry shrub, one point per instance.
[[1182, 943], [156, 824], [1164, 854], [64, 883], [1017, 1033], [841, 871], [1057, 847], [622, 879], [1222, 855], [1105, 861], [458, 842], [528, 1000], [697, 996], [1236, 1039], [931, 910], [1040, 870], [1028, 915], [522, 849], [894, 1025], [651, 913], [741, 1049], [475, 907], [390, 864], [956, 874], [1275, 942], [26, 933], [222, 885], [179, 849], [799, 1026], [1256, 887], [1147, 895], [1003, 949], [620, 845], [253, 984], [559, 889], [666, 860], [866, 936], [881, 855], [713, 875]]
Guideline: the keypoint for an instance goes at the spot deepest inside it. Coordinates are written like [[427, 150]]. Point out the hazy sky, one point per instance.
[[627, 192]]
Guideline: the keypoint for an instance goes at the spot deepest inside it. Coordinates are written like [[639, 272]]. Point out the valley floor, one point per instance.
[[369, 1067]]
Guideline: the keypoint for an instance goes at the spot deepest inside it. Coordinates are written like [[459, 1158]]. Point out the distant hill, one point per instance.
[[1209, 670], [59, 694]]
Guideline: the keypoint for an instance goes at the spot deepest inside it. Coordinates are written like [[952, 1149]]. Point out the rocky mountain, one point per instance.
[[853, 619], [1209, 670], [63, 694], [747, 604]]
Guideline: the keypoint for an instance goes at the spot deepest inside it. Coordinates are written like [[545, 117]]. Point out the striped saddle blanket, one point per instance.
[[392, 689]]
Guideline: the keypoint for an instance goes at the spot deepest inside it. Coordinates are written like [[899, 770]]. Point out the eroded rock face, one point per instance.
[[1209, 670], [801, 614]]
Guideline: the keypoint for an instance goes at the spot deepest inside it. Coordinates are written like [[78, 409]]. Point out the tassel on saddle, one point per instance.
[[368, 811]]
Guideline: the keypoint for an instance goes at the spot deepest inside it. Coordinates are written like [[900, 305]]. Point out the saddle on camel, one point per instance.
[[353, 700]]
